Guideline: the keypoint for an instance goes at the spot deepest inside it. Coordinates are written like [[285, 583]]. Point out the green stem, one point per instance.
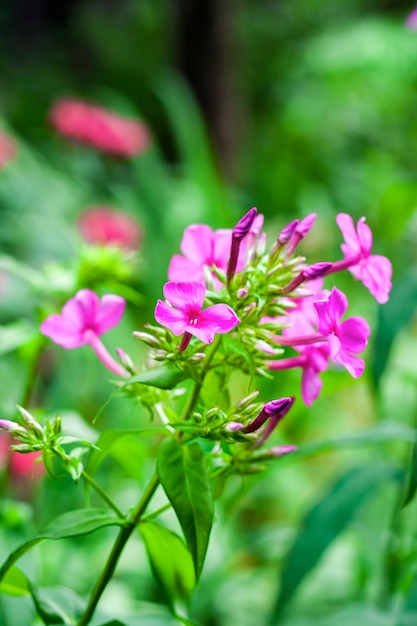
[[138, 513], [195, 394], [122, 538], [88, 479]]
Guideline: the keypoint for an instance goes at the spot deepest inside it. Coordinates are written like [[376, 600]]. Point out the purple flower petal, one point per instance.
[[353, 334], [352, 363], [331, 310], [110, 311], [177, 321], [219, 317], [85, 312], [186, 296], [197, 243], [180, 268], [63, 331]]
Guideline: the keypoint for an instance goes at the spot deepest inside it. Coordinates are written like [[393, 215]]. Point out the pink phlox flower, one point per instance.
[[8, 149], [182, 313], [373, 270], [99, 128], [315, 359], [84, 314], [202, 247], [83, 319], [303, 319], [411, 21], [109, 227], [345, 339]]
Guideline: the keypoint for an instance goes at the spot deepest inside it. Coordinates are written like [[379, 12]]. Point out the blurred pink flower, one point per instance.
[[99, 128], [411, 20], [21, 465], [183, 312], [345, 339], [8, 149], [83, 319], [373, 270], [109, 227]]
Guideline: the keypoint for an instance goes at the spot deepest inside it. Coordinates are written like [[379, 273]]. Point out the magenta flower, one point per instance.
[[272, 413], [100, 128], [201, 248], [83, 319], [301, 229], [184, 314], [345, 339], [104, 226], [373, 270], [313, 359], [240, 231]]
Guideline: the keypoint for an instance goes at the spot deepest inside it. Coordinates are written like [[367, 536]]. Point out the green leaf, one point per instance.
[[183, 475], [72, 524], [324, 522], [393, 317], [164, 377], [171, 563], [15, 583], [108, 440], [384, 431], [58, 605]]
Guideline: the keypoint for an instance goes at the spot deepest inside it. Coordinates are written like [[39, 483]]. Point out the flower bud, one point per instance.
[[30, 422], [245, 402], [126, 361], [233, 426], [278, 451], [150, 340], [244, 225], [10, 426]]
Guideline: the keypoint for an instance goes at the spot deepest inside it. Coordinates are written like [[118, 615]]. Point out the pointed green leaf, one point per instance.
[[72, 524], [183, 475], [324, 522], [15, 583], [58, 605], [163, 377], [171, 563], [384, 431]]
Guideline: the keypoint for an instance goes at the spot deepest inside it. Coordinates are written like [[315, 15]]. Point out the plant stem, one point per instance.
[[195, 394], [88, 479], [137, 514], [122, 538]]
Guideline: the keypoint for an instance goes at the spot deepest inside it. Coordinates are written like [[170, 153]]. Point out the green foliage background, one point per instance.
[[326, 94]]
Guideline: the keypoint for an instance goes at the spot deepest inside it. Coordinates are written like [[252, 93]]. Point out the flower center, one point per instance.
[[194, 321]]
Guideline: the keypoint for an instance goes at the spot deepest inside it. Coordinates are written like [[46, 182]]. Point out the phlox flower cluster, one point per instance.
[[268, 302]]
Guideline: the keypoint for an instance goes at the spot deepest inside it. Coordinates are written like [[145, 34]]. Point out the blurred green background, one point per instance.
[[294, 107]]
